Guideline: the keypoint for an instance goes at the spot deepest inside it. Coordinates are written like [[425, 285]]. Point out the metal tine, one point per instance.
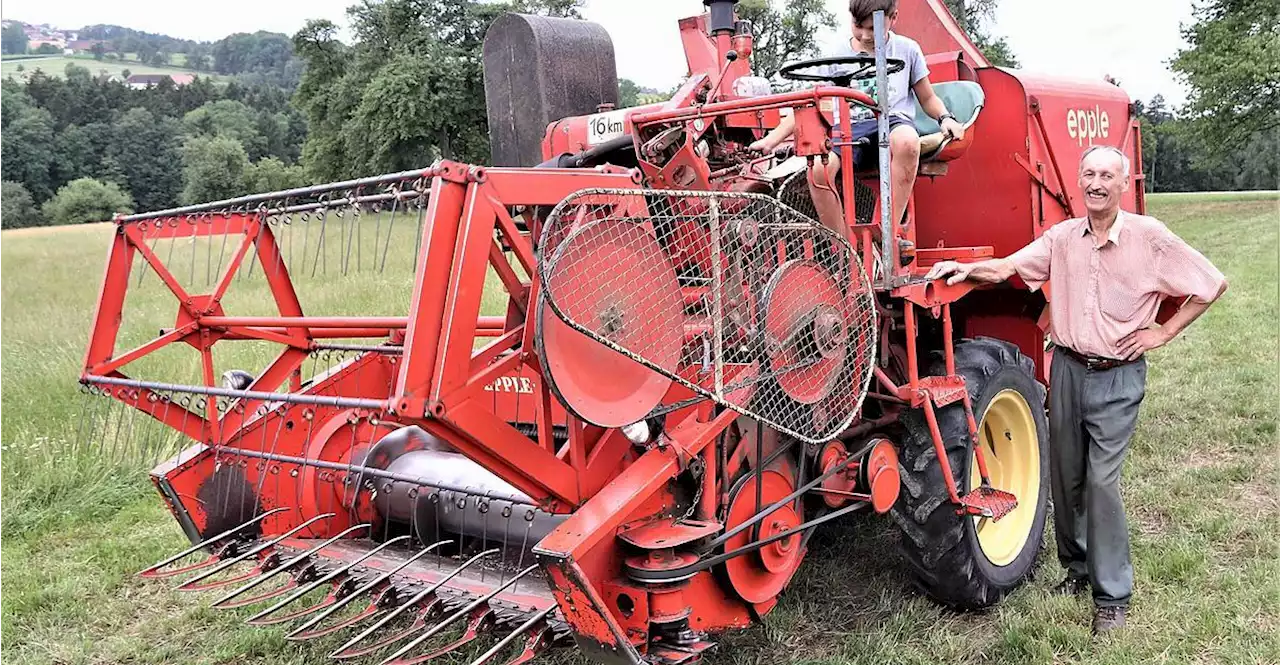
[[222, 602], [154, 571], [257, 619], [372, 609], [502, 644], [435, 630], [188, 585], [480, 622], [367, 586], [417, 598], [419, 623]]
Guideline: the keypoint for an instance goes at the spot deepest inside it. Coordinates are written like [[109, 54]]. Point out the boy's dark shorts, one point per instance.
[[867, 156]]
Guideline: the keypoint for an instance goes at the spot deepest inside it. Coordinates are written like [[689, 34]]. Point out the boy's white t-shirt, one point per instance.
[[902, 101]]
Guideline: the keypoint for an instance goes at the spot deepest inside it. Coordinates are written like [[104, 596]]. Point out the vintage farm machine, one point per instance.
[[628, 375]]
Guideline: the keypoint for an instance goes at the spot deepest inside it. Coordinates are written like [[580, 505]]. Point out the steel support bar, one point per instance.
[[319, 400]]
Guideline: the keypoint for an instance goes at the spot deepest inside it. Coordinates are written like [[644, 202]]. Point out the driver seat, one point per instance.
[[964, 100]]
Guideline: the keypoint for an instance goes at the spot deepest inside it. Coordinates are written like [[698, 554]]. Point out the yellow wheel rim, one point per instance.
[[1011, 447]]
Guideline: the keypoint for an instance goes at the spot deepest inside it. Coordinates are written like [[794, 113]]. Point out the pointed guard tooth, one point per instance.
[[223, 601], [418, 598], [481, 620], [358, 592], [156, 570], [530, 649], [434, 630], [190, 585], [419, 623], [259, 619]]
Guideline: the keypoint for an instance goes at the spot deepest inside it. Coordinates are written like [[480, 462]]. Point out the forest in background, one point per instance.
[[268, 111]]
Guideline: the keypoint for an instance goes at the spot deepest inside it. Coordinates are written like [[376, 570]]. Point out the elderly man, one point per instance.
[[1108, 272]]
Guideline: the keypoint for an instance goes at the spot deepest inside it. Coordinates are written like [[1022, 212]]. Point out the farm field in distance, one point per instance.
[[56, 66], [1202, 489]]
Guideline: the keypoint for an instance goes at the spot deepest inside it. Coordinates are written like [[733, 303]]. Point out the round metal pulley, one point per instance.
[[610, 283], [806, 330], [759, 576]]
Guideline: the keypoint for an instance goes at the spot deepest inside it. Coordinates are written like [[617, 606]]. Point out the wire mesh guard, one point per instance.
[[732, 296]]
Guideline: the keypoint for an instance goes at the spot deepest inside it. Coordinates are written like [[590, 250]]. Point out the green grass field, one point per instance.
[[1202, 486], [56, 66]]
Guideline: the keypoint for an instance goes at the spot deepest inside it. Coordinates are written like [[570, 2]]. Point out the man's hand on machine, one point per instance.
[[954, 271]]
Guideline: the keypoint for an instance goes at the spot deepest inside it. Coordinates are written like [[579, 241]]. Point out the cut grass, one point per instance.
[[1200, 486]]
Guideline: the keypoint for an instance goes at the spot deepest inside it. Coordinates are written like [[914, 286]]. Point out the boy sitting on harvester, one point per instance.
[[905, 87]]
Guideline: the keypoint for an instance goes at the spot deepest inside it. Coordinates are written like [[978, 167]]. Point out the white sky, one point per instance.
[[1131, 40]]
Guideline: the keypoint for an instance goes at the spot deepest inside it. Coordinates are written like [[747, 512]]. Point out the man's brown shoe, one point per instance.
[[1071, 586], [1107, 619]]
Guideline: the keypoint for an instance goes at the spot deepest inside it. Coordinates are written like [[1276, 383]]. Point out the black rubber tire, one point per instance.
[[940, 547]]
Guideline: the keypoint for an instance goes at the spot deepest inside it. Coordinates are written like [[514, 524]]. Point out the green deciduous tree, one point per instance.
[[86, 200], [230, 119], [971, 15], [783, 31], [1232, 67], [408, 90], [213, 168], [17, 208], [272, 175]]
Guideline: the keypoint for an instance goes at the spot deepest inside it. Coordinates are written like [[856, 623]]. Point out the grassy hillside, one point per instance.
[[56, 66], [1200, 484]]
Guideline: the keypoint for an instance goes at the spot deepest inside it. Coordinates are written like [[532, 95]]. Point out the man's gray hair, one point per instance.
[[1124, 159]]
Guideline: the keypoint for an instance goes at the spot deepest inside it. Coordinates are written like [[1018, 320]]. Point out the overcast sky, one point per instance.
[[1131, 40]]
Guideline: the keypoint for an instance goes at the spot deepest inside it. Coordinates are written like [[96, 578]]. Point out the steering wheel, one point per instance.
[[866, 69]]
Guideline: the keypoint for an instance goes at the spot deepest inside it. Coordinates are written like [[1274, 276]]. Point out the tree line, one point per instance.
[[81, 148], [408, 89]]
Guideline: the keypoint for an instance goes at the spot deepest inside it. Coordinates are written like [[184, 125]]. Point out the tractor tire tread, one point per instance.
[[939, 558]]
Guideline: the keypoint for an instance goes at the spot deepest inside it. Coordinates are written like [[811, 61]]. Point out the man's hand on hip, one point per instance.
[[1139, 342]]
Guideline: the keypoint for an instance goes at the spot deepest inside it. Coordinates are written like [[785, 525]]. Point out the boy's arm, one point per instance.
[[932, 104], [779, 134]]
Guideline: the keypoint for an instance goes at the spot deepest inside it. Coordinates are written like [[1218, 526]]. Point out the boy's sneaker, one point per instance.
[[1071, 586]]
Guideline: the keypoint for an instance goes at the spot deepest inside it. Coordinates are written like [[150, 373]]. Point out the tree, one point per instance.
[[628, 93], [783, 31], [272, 175], [99, 50], [213, 168], [146, 150], [1232, 68], [27, 145], [970, 15], [160, 59], [408, 91], [47, 49], [17, 209], [86, 200], [13, 39], [146, 52], [74, 155], [126, 73], [199, 58], [230, 119]]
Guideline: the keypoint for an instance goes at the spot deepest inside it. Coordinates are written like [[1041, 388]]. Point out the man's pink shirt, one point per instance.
[[1101, 293]]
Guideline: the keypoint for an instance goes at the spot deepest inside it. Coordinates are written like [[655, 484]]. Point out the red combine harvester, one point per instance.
[[632, 373]]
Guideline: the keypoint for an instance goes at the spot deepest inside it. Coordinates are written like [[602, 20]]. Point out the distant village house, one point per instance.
[[141, 81]]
